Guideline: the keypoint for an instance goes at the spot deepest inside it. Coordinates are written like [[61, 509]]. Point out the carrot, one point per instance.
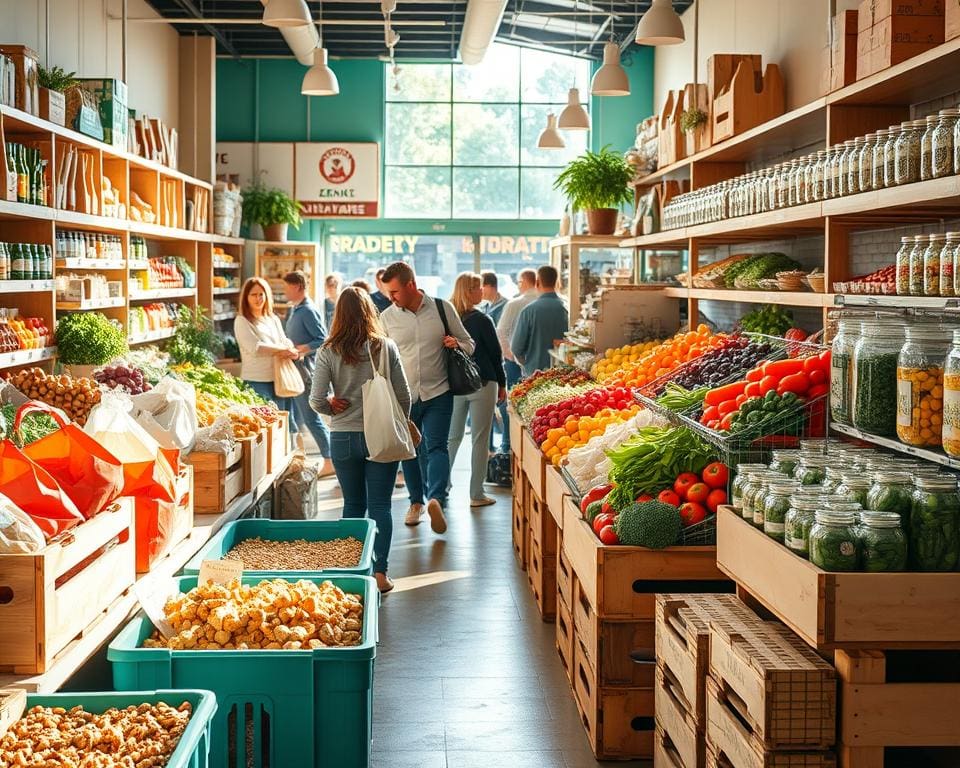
[[728, 392], [780, 368]]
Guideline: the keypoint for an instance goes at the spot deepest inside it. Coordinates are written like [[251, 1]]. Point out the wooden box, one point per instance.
[[894, 30], [543, 529], [53, 106], [672, 146], [733, 745], [26, 63], [665, 754], [534, 464], [255, 450], [784, 694], [556, 492], [217, 479], [516, 432], [721, 68], [839, 610], [542, 575], [951, 27], [621, 583], [55, 595], [843, 55], [753, 96], [696, 96], [521, 532], [13, 702], [565, 578], [565, 639], [278, 442], [871, 12], [684, 732]]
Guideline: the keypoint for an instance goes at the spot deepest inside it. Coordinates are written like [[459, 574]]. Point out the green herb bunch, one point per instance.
[[213, 381], [596, 180], [32, 428], [89, 338], [194, 340], [56, 78], [265, 206], [691, 119]]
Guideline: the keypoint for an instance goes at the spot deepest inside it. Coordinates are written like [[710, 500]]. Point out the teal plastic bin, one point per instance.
[[289, 530], [193, 749], [277, 709]]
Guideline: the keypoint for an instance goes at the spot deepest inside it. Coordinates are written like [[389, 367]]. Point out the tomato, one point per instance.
[[643, 497], [824, 358], [594, 494], [728, 392], [798, 383], [768, 384], [709, 414], [601, 520], [692, 513], [683, 482], [698, 493], [727, 406], [608, 535], [741, 400], [669, 497], [715, 499], [818, 376], [716, 474], [780, 368], [811, 364], [817, 390], [754, 375], [795, 334], [726, 422], [607, 509]]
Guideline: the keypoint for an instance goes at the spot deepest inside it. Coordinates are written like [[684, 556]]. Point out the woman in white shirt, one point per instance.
[[261, 339]]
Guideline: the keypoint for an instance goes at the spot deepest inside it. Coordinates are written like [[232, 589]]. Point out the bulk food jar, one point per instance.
[[841, 371], [903, 266], [891, 491], [907, 153], [920, 243], [833, 541], [741, 479], [773, 507], [951, 399], [947, 259], [934, 526], [784, 461], [883, 545], [853, 487], [799, 521], [942, 143], [754, 489], [931, 265], [875, 377], [811, 470], [920, 385]]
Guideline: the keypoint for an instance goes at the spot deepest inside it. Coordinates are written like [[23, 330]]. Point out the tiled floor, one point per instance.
[[466, 673]]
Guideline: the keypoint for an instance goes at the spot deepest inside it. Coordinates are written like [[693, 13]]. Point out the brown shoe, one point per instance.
[[438, 523], [413, 515], [384, 584]]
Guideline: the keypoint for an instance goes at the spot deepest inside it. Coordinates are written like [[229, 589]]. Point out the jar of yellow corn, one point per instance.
[[920, 370]]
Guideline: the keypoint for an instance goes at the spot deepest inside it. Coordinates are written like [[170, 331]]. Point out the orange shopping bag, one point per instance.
[[35, 491], [88, 473]]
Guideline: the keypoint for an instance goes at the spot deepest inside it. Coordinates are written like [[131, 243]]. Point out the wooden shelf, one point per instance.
[[82, 306], [670, 238], [89, 221], [149, 336], [226, 265], [936, 457], [134, 265], [157, 232], [159, 294], [676, 292], [224, 240], [221, 316], [788, 298], [896, 302], [25, 286], [10, 210], [588, 241], [104, 265], [26, 356]]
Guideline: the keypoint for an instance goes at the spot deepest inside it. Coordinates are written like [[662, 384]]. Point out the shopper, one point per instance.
[[345, 362], [261, 339], [304, 327], [362, 284], [414, 323], [332, 285], [467, 294], [493, 302], [542, 322], [527, 282], [380, 299]]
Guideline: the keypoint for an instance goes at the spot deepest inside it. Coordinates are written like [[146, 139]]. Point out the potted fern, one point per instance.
[[53, 85], [596, 183], [273, 209]]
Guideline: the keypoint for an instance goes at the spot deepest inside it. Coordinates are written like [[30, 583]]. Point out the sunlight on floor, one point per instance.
[[408, 583]]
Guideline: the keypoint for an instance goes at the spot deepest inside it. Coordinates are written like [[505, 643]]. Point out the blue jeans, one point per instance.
[[367, 488], [265, 390], [428, 475], [309, 417], [514, 374]]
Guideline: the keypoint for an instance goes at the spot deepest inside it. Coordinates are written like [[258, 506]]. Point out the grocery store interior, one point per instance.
[[456, 383]]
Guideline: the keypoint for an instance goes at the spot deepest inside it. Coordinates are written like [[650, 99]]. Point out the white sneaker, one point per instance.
[[438, 523], [413, 515], [483, 501]]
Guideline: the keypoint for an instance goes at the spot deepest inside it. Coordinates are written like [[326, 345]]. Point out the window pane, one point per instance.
[[496, 78], [417, 193], [418, 134], [485, 134], [534, 120], [506, 255], [485, 193], [546, 77], [538, 198], [418, 82]]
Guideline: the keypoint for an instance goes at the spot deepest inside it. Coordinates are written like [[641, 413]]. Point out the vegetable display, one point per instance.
[[89, 338], [33, 426], [195, 339], [734, 356], [663, 358], [213, 381], [747, 273], [769, 319], [616, 357], [75, 397], [130, 379]]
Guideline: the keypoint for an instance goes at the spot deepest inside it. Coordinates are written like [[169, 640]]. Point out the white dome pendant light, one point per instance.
[[574, 117], [661, 25], [286, 13], [611, 79], [550, 137], [320, 80]]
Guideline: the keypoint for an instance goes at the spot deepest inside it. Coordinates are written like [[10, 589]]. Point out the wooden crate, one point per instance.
[[621, 583], [217, 479], [255, 450], [278, 442], [685, 734], [672, 146], [952, 21], [619, 721], [619, 652], [683, 641], [521, 533], [840, 610], [565, 578], [543, 529], [784, 694], [753, 96], [542, 575], [734, 746], [556, 493], [565, 639], [842, 61], [665, 754], [516, 432], [13, 702], [57, 594], [534, 465]]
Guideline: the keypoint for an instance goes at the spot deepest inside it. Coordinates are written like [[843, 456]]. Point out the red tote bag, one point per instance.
[[34, 490]]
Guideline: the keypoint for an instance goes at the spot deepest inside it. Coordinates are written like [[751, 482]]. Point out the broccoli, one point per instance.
[[651, 524]]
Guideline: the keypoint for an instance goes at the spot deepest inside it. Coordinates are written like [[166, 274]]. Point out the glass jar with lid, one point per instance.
[[875, 377], [883, 544], [947, 254], [903, 265], [931, 265], [943, 143], [815, 445], [852, 166], [841, 370], [907, 153], [865, 163], [831, 478], [756, 485], [926, 147], [854, 487], [791, 176], [934, 528], [840, 185], [877, 180], [832, 176], [811, 470], [799, 521], [920, 243], [816, 175], [951, 399], [891, 491], [784, 461], [740, 480], [920, 385], [772, 507], [833, 541], [890, 157]]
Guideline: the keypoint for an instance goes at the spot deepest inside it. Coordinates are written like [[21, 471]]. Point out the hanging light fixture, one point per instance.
[[611, 79], [550, 137], [286, 13], [320, 80], [574, 117], [661, 25]]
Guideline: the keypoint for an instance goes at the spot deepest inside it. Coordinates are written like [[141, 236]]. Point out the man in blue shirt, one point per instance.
[[305, 328], [541, 322], [493, 302], [380, 300]]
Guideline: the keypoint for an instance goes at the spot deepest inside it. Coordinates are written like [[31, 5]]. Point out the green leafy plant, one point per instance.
[[596, 180], [194, 339], [691, 119], [89, 338], [56, 79], [265, 206]]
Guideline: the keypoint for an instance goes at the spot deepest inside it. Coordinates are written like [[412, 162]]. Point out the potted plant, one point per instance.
[[53, 85], [272, 209], [596, 182]]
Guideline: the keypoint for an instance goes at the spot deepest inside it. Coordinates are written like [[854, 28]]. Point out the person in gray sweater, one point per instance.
[[343, 365]]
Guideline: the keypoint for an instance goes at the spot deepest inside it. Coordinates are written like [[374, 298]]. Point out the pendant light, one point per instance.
[[286, 13], [611, 79], [574, 117], [661, 25], [320, 80], [550, 138]]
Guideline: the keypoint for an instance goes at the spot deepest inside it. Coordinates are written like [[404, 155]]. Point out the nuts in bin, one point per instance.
[[274, 614], [76, 397], [142, 736], [265, 555]]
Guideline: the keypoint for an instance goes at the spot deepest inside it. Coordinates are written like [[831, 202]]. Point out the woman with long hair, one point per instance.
[[467, 294], [344, 363]]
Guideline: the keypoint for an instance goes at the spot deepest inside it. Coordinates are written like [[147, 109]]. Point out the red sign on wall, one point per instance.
[[338, 181]]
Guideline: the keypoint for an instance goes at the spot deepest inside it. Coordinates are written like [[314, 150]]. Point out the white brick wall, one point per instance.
[[872, 249]]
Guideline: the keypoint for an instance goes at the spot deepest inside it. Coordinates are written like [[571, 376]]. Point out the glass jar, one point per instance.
[[772, 508], [891, 491], [889, 156], [903, 266], [840, 185], [875, 377], [841, 370], [799, 521], [907, 153], [943, 143], [926, 147], [877, 159], [951, 399], [817, 446], [756, 484], [883, 545], [920, 243], [865, 163], [934, 528], [920, 385], [854, 487], [816, 175], [832, 177], [947, 252], [931, 265], [833, 541], [812, 469], [784, 461], [740, 480], [852, 183]]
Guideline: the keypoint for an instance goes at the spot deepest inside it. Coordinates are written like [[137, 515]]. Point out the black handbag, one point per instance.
[[499, 471], [462, 373]]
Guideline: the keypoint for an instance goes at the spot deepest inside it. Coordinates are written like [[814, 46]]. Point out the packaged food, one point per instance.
[[920, 385]]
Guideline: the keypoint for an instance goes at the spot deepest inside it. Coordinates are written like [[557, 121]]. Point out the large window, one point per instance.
[[461, 142]]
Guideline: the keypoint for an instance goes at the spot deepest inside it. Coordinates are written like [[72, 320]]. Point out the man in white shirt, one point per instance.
[[527, 281], [414, 323]]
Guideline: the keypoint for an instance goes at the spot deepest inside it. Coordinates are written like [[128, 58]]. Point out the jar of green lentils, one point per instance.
[[773, 506]]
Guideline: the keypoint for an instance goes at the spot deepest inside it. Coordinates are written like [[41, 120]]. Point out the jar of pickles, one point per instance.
[[773, 506], [875, 377], [831, 479], [811, 470], [951, 399], [784, 461], [741, 479], [931, 265], [942, 160], [947, 253], [920, 385], [854, 487], [907, 153], [920, 243], [903, 266], [883, 544], [833, 541], [926, 147], [934, 528], [756, 484], [841, 370], [799, 521], [891, 491]]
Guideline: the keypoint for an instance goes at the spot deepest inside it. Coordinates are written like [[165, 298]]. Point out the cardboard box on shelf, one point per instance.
[[842, 63], [870, 12], [26, 65], [112, 97], [53, 106]]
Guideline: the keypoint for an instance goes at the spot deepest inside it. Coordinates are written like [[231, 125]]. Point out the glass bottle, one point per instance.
[[832, 178], [816, 176], [774, 505], [741, 479], [841, 370], [891, 491], [951, 399], [852, 184], [947, 287], [926, 147], [934, 529], [883, 545], [877, 161], [875, 377], [907, 153], [931, 265], [920, 243], [833, 541], [865, 163], [889, 156]]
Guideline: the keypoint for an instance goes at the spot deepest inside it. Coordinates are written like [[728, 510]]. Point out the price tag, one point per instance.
[[220, 571], [153, 595]]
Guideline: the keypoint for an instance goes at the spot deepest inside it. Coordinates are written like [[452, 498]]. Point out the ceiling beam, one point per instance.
[[189, 7]]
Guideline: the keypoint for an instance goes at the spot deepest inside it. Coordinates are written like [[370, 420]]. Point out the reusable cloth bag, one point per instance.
[[384, 422]]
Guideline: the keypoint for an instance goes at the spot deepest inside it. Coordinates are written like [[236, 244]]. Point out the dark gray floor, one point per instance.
[[467, 675]]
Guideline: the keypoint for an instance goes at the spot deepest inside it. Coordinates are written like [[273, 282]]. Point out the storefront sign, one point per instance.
[[494, 244], [398, 244], [338, 181]]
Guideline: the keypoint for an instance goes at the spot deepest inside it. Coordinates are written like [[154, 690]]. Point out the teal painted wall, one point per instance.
[[615, 118]]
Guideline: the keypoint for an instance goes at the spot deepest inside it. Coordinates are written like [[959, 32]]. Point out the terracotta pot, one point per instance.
[[602, 221], [275, 233]]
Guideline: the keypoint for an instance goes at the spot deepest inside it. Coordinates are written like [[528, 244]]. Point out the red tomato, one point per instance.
[[818, 376], [698, 493], [817, 390], [608, 535], [753, 389], [643, 497], [709, 414], [683, 482], [607, 509], [594, 494], [824, 358], [754, 375], [716, 474], [669, 497], [768, 384], [602, 520], [741, 400], [692, 513], [726, 422], [798, 383], [715, 499], [811, 364]]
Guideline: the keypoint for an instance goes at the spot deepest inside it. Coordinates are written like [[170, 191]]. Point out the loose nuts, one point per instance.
[[266, 555]]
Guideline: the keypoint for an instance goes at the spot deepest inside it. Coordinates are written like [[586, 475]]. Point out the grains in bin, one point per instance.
[[258, 554]]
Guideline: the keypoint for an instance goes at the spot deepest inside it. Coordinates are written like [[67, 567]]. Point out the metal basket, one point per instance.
[[702, 534]]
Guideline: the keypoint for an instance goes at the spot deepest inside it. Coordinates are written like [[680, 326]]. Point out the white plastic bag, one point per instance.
[[111, 423], [19, 535], [217, 438], [169, 413], [384, 423]]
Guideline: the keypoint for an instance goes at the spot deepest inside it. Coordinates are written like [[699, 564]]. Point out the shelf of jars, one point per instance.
[[26, 356], [935, 457], [789, 298], [95, 264], [897, 302]]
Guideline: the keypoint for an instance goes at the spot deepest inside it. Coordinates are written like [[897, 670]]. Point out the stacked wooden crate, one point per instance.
[[540, 534], [892, 31], [841, 62]]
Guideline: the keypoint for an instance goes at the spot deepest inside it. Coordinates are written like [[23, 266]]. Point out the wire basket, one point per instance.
[[702, 534]]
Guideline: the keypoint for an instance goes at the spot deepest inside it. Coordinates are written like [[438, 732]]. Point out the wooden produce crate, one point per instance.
[[839, 610], [516, 432], [556, 491], [543, 529], [542, 575], [565, 578], [565, 639], [784, 694], [665, 753], [255, 449], [520, 524], [621, 583], [57, 594], [534, 465], [735, 746], [217, 479], [684, 733], [619, 721], [13, 702], [278, 442]]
